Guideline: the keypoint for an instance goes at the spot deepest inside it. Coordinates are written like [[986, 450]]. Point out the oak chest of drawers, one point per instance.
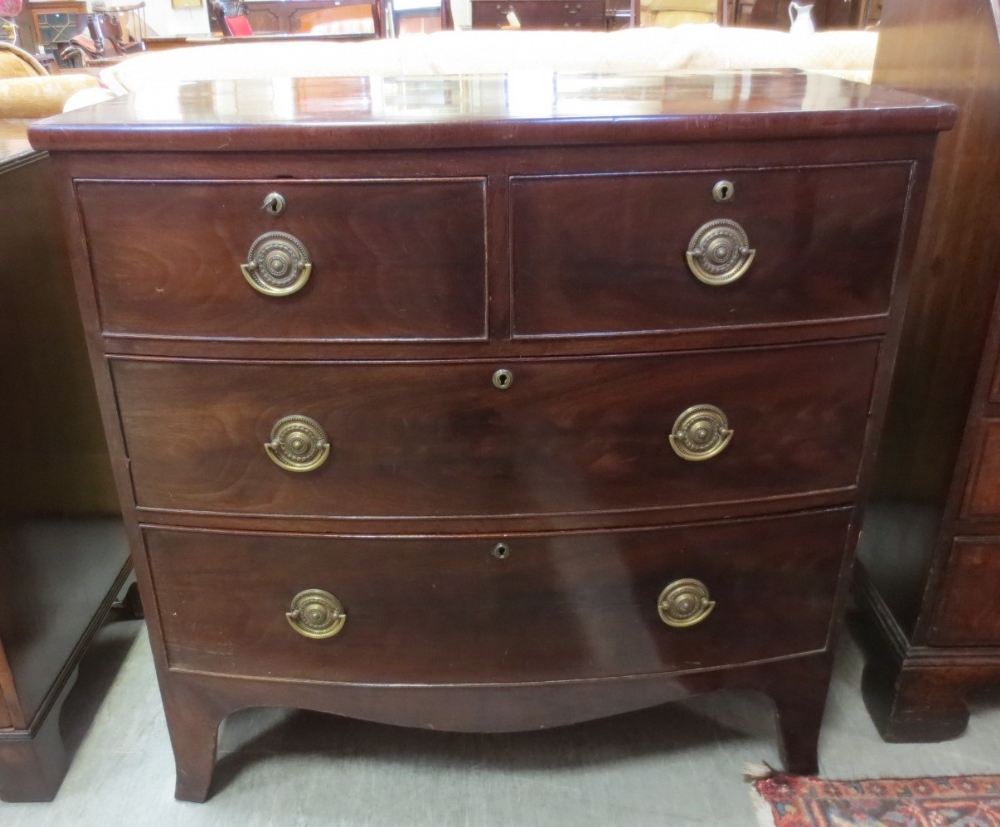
[[430, 412]]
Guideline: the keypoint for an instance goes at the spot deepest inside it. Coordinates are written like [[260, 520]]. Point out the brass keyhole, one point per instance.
[[501, 551], [503, 379], [723, 191], [274, 203]]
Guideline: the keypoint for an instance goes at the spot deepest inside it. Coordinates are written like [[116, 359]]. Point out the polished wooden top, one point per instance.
[[532, 109]]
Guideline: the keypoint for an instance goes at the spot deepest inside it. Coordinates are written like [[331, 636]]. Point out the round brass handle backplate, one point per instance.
[[684, 603], [700, 433], [298, 443], [317, 614], [719, 252], [277, 264]]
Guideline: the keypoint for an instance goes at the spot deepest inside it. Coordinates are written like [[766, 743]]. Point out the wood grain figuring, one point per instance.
[[966, 613], [559, 607], [606, 254], [438, 440], [391, 259]]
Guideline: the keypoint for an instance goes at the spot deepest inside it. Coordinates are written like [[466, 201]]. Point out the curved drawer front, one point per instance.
[[389, 259], [442, 610], [599, 254], [437, 439]]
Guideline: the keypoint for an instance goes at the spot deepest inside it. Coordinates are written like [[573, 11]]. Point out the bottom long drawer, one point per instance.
[[461, 610]]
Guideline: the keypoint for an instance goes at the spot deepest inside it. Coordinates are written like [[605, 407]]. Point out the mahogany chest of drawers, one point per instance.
[[429, 411]]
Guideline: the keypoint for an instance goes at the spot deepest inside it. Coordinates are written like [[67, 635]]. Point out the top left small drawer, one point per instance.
[[363, 260]]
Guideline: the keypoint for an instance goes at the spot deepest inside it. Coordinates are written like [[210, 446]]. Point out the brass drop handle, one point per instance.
[[298, 443], [684, 603], [699, 433], [316, 614], [277, 264], [719, 252]]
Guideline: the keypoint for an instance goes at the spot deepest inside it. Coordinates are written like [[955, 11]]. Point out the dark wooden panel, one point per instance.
[[437, 439], [995, 385], [950, 50], [391, 259], [56, 492], [606, 253], [61, 544], [286, 15], [5, 719], [445, 610], [539, 14], [966, 612], [982, 495]]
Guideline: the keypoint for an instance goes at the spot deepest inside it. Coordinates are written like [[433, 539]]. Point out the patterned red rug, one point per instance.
[[962, 801]]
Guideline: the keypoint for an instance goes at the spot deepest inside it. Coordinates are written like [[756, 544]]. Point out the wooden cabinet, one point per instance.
[[63, 553], [540, 14], [928, 581], [508, 423]]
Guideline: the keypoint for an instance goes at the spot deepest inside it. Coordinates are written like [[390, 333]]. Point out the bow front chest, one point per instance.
[[483, 405]]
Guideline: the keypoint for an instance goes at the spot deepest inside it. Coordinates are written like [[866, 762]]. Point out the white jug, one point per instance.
[[801, 16]]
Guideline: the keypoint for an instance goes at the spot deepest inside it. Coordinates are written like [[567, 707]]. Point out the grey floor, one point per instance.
[[674, 766]]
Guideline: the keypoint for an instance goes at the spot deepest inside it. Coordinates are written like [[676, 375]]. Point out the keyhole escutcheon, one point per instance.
[[503, 379], [274, 203], [723, 191]]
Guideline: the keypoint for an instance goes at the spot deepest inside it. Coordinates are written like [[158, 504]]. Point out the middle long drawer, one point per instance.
[[440, 439]]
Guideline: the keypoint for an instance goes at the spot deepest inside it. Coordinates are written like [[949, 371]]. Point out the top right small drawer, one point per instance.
[[663, 252]]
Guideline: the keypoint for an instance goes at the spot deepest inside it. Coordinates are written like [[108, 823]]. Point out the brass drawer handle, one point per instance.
[[298, 443], [317, 614], [684, 603], [700, 433], [277, 264], [719, 252]]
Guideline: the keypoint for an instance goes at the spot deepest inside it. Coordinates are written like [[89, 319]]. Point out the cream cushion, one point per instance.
[[684, 48], [28, 91], [39, 97]]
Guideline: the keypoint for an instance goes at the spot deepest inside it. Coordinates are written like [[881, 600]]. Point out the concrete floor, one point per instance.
[[674, 766]]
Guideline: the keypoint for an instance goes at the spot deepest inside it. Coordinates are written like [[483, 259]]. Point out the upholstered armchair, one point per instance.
[[28, 91]]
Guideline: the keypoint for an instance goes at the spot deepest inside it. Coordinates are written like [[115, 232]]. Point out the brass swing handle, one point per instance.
[[719, 252], [298, 443], [277, 264], [684, 603], [316, 614], [699, 433]]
